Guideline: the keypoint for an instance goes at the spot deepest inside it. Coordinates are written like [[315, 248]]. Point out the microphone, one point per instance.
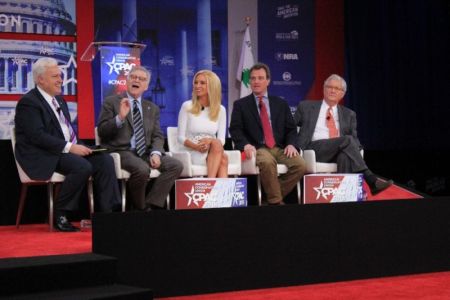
[[132, 33], [203, 108], [58, 109], [328, 118]]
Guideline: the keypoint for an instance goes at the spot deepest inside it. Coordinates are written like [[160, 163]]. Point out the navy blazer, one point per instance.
[[39, 137], [246, 127], [306, 118]]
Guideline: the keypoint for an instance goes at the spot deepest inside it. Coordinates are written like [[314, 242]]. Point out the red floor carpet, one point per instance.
[[432, 286], [37, 240]]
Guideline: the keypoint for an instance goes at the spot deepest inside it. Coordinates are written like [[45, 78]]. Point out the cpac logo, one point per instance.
[[286, 56], [196, 197], [117, 82], [325, 191], [117, 66]]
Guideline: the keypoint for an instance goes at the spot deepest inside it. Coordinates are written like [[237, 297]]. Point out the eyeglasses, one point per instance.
[[334, 88], [135, 77]]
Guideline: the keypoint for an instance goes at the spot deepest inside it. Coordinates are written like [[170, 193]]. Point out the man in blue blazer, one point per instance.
[[330, 130], [46, 143], [272, 141]]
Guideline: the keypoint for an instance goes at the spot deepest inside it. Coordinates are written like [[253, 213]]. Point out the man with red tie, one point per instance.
[[330, 130], [47, 143], [263, 125]]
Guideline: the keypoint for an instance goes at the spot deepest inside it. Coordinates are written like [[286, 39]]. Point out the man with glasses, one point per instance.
[[129, 124], [262, 125], [330, 130]]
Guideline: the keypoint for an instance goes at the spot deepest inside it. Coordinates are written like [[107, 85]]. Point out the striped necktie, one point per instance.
[[138, 129], [63, 119]]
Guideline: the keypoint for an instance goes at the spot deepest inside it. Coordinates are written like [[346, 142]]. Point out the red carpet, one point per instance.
[[37, 240], [392, 193], [432, 286]]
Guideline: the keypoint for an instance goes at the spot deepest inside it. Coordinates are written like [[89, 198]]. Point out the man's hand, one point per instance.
[[155, 161], [290, 151], [124, 108], [80, 150], [249, 150]]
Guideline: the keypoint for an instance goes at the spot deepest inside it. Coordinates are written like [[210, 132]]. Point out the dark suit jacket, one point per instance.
[[39, 137], [306, 118], [114, 138], [246, 127]]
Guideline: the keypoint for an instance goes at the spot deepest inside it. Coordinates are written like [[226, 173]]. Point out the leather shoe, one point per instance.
[[62, 224], [380, 186]]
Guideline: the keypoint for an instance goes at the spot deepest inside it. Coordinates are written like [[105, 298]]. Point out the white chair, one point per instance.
[[192, 170], [249, 168], [56, 178], [313, 166], [123, 175]]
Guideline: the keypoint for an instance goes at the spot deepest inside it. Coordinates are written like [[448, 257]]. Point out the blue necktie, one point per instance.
[[63, 119]]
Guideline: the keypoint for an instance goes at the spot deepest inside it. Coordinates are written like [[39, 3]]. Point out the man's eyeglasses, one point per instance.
[[135, 77], [334, 88]]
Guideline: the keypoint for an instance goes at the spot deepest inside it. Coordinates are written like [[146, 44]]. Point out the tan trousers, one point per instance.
[[277, 188]]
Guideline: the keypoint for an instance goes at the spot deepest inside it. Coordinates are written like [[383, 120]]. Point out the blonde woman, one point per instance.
[[202, 124]]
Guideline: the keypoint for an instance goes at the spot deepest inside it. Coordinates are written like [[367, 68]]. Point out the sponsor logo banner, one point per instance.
[[198, 193], [333, 188]]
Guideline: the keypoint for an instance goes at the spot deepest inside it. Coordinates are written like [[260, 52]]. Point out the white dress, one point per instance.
[[195, 128]]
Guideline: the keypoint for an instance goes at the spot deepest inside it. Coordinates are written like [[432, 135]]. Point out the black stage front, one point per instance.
[[211, 250]]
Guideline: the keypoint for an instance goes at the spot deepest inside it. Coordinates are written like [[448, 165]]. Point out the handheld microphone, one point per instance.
[[328, 118], [203, 108]]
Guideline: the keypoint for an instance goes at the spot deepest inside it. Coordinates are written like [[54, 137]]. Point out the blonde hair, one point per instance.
[[214, 88]]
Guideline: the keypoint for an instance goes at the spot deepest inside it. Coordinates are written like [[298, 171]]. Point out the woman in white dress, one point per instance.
[[202, 124]]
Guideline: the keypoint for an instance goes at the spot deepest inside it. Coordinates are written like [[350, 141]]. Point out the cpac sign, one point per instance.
[[13, 20], [210, 193], [119, 65], [332, 188]]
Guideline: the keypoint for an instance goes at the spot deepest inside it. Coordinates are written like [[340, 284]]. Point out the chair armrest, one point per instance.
[[185, 158], [234, 158], [117, 164], [310, 158], [249, 166]]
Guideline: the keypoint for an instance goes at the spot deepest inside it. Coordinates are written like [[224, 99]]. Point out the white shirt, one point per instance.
[[321, 131], [63, 124]]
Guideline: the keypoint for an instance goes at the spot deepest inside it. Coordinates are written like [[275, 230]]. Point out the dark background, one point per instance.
[[397, 70]]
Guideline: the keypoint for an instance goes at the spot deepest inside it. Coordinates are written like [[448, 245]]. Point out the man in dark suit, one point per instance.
[[129, 125], [46, 143], [263, 125], [330, 130]]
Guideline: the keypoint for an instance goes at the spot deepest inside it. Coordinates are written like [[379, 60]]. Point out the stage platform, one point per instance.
[[213, 250]]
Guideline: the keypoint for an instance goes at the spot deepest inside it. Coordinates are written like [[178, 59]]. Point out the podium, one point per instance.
[[94, 47], [115, 62]]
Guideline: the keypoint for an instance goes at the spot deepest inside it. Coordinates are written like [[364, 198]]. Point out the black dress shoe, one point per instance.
[[62, 224], [380, 186]]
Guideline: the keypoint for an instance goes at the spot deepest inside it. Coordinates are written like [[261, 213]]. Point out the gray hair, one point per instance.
[[336, 77], [41, 65], [140, 68]]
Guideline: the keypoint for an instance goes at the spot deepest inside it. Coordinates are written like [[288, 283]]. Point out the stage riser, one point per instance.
[[202, 251], [80, 276]]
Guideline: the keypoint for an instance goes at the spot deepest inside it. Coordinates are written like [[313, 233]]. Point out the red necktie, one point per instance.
[[331, 124], [268, 134]]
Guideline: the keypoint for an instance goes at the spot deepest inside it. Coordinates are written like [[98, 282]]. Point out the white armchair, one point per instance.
[[51, 187], [313, 166], [249, 168], [192, 170]]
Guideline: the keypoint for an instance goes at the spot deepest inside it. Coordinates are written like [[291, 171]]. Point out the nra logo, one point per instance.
[[286, 56]]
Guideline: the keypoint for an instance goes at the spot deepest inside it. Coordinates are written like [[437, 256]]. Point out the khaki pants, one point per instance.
[[277, 188]]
